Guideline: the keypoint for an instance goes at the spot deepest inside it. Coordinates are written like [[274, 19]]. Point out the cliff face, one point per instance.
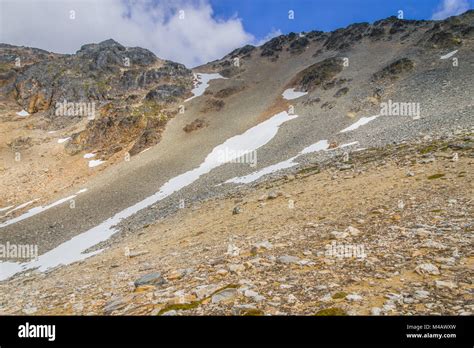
[[114, 78]]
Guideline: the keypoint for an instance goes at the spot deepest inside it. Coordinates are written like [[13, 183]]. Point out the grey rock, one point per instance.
[[226, 295], [237, 210], [150, 279], [113, 305], [272, 195], [442, 284], [421, 294], [287, 259], [427, 268], [434, 245], [375, 311], [204, 291], [354, 297], [166, 93]]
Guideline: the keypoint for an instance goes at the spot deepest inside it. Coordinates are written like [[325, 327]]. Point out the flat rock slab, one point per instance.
[[150, 279]]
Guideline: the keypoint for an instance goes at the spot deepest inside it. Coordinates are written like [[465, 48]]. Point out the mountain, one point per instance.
[[130, 87], [126, 82], [225, 184]]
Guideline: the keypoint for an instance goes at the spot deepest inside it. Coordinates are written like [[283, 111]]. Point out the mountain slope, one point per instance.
[[296, 102]]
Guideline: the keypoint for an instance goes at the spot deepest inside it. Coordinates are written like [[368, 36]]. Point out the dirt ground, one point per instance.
[[406, 210]]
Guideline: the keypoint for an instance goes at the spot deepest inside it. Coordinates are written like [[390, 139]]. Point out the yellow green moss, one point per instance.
[[333, 311]]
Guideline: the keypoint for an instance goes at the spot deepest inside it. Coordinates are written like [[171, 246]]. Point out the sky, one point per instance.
[[194, 32]]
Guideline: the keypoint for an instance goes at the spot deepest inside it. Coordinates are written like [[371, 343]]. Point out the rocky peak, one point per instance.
[[106, 73], [110, 53], [109, 44]]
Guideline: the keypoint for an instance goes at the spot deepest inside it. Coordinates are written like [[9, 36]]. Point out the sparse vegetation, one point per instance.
[[195, 125], [394, 70], [316, 74], [341, 92], [333, 311], [227, 92], [213, 105], [436, 176]]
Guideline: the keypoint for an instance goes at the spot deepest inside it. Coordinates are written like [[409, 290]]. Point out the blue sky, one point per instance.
[[209, 30], [260, 17]]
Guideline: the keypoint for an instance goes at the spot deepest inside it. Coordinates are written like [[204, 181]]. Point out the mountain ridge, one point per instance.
[[304, 105]]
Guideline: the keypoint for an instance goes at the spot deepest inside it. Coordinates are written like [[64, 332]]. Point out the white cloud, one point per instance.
[[155, 25], [450, 8], [273, 33]]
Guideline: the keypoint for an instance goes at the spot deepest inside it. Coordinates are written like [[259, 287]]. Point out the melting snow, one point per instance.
[[23, 113], [89, 155], [201, 83], [349, 144], [290, 94], [320, 145], [362, 121], [6, 208], [22, 206], [95, 163], [267, 170], [72, 250], [36, 210], [449, 55], [60, 141]]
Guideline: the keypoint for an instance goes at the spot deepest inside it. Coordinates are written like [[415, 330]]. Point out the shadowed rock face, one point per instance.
[[273, 46], [451, 32], [166, 93], [394, 70], [243, 52], [111, 54], [298, 45], [108, 74], [15, 60], [444, 34], [97, 72], [344, 38], [317, 74]]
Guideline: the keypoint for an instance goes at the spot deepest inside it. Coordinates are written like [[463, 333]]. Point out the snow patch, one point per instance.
[[290, 94], [6, 208], [21, 206], [63, 140], [349, 144], [267, 170], [362, 121], [23, 113], [36, 210], [89, 155], [201, 82], [320, 145], [449, 55], [95, 163]]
